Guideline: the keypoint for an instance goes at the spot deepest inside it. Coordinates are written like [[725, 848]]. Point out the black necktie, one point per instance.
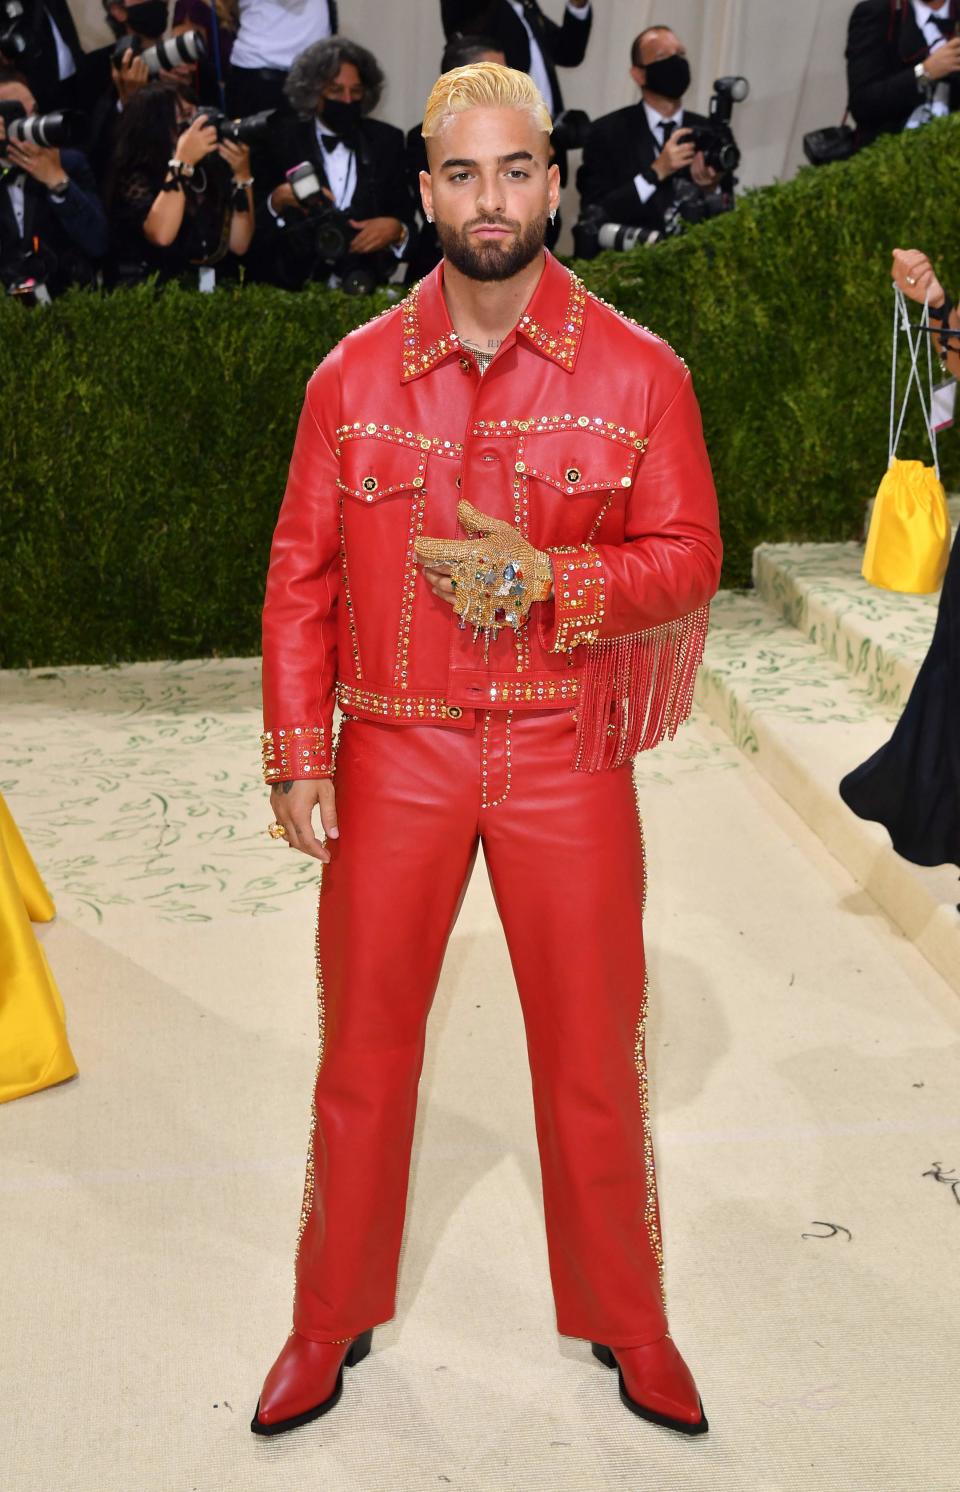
[[947, 26], [667, 127], [330, 142]]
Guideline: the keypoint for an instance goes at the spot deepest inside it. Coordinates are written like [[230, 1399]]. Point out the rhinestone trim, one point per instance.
[[295, 752]]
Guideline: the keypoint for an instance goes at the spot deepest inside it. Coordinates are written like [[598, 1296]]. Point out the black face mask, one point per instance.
[[670, 77], [149, 18], [342, 117]]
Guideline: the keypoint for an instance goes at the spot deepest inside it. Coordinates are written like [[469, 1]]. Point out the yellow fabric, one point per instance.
[[909, 540], [34, 1050]]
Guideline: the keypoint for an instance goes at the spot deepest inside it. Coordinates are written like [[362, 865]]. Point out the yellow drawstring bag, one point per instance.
[[908, 544]]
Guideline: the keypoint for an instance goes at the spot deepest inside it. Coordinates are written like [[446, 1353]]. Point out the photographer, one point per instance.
[[123, 73], [39, 38], [351, 217], [53, 229], [903, 64], [635, 157], [179, 196]]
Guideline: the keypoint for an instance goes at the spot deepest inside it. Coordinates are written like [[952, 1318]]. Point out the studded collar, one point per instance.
[[552, 321]]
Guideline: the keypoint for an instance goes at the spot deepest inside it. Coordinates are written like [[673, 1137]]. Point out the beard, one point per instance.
[[493, 259]]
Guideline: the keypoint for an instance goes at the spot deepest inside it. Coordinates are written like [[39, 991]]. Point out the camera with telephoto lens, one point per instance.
[[14, 39], [61, 127], [248, 131], [170, 52], [720, 150], [592, 234]]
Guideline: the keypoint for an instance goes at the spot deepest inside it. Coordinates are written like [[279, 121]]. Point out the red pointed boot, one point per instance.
[[656, 1383], [305, 1381]]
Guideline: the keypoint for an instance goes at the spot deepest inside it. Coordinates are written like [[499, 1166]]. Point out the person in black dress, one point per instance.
[[912, 784], [176, 197]]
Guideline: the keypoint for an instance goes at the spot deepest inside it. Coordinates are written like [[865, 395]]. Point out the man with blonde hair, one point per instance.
[[495, 552]]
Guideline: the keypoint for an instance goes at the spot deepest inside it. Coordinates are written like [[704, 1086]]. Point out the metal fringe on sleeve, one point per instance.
[[637, 688]]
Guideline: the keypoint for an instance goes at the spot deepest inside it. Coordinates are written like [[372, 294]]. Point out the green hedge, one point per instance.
[[145, 435]]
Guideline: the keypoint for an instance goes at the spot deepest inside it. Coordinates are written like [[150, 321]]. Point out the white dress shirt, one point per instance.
[[341, 168], [645, 188], [272, 32], [538, 68], [340, 164], [14, 185], [66, 67], [939, 102]]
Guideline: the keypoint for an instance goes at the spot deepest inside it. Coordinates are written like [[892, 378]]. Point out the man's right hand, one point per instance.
[[293, 804], [944, 61], [912, 272], [678, 152]]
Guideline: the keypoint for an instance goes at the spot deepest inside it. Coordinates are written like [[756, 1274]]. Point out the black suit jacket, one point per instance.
[[618, 145], [884, 44], [563, 44], [72, 234], [286, 255]]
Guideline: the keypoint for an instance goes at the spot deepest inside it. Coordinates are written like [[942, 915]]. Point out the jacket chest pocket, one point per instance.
[[374, 470], [591, 470]]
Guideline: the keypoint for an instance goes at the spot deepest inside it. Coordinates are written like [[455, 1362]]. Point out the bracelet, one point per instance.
[[941, 313], [181, 168], [242, 185]]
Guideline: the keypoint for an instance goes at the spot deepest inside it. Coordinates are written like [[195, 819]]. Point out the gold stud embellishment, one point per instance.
[[369, 484]]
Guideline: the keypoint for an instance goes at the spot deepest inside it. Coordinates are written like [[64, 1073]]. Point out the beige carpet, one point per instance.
[[804, 1072]]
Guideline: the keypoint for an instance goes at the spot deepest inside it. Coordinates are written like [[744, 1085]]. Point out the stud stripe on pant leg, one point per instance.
[[650, 1211]]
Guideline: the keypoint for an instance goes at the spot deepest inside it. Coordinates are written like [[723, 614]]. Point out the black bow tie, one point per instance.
[[946, 25], [330, 142]]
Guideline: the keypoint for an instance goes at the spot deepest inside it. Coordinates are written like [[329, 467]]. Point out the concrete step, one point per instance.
[[804, 721], [878, 637]]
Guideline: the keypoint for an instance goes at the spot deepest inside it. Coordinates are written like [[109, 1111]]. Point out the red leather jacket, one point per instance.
[[585, 432]]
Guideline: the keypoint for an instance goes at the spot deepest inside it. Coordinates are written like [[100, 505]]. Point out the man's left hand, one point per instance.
[[374, 234], [702, 174], [41, 162]]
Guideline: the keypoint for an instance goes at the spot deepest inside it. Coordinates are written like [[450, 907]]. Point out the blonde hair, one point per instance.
[[483, 85]]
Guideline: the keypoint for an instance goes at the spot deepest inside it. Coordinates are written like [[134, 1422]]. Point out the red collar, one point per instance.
[[552, 321]]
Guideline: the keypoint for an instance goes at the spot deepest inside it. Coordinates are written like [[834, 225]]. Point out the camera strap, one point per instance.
[[915, 336]]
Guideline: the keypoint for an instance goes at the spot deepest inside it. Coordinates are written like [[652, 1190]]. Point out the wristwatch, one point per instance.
[[59, 191], [920, 74]]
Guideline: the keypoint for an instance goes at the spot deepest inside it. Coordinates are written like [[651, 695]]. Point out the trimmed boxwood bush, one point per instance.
[[145, 435]]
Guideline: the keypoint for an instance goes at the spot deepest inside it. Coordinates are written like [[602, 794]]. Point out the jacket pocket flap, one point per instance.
[[371, 468], [578, 460]]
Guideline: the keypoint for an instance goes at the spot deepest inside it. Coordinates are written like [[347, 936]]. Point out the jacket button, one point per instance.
[[465, 364], [454, 711], [458, 481]]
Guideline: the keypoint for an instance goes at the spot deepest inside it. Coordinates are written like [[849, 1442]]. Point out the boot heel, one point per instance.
[[604, 1355], [359, 1348]]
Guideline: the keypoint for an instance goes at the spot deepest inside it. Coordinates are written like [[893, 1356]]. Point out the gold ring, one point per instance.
[[911, 279], [277, 830]]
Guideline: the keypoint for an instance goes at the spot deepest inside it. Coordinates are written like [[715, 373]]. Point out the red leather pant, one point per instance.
[[564, 853]]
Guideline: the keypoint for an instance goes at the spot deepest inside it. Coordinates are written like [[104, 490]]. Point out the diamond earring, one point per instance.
[[553, 213], [429, 218]]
